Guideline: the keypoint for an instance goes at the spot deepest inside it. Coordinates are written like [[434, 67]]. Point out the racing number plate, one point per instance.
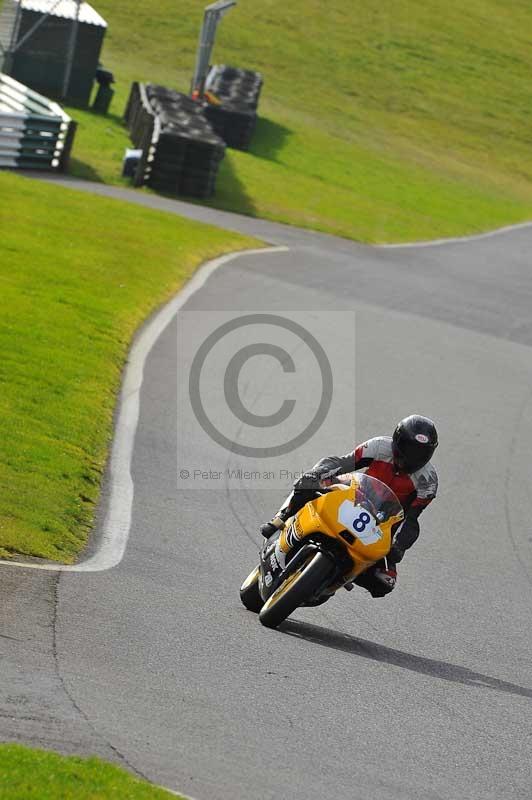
[[360, 522]]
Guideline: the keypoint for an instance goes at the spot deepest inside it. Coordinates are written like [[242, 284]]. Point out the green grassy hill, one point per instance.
[[385, 121]]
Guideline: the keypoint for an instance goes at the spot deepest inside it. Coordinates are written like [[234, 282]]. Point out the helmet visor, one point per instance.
[[410, 456]]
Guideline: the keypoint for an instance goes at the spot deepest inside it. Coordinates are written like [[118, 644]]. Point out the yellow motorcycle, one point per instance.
[[327, 545]]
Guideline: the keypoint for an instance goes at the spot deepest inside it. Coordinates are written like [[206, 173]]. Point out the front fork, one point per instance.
[[272, 574], [286, 552], [272, 564]]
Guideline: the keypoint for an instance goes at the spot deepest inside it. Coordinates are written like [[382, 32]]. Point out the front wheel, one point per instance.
[[249, 592], [296, 589]]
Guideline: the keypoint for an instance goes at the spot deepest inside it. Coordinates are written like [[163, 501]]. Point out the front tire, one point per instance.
[[298, 587], [249, 592]]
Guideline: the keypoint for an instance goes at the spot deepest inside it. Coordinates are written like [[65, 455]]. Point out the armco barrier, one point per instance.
[[180, 151], [35, 133]]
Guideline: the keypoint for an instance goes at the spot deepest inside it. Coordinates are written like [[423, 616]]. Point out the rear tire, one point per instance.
[[249, 592], [297, 587]]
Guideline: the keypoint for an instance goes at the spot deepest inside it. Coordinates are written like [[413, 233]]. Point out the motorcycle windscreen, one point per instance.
[[374, 504]]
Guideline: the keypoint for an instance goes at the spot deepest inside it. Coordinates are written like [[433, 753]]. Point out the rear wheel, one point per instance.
[[249, 592], [297, 588]]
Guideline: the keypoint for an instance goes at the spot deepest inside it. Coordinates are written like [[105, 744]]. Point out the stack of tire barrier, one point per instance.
[[238, 91], [35, 133], [181, 153], [141, 122]]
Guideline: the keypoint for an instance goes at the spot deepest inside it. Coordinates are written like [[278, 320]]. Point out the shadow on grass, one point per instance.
[[118, 119], [79, 169], [72, 108], [268, 139], [363, 648], [229, 195], [230, 192]]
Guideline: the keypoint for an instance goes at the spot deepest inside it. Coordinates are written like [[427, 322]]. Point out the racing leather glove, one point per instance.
[[307, 482], [325, 470]]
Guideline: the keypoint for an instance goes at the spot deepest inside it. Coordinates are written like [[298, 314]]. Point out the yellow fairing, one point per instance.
[[321, 515]]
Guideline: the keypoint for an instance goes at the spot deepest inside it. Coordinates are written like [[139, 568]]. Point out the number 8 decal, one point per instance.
[[360, 523]]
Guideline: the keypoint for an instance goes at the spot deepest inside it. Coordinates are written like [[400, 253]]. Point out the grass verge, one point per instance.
[[27, 774], [78, 274], [386, 122]]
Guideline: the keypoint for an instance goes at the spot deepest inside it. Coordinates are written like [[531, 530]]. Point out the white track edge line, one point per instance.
[[117, 522], [171, 791], [458, 239]]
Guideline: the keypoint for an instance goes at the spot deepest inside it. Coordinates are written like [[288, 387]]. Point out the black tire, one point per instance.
[[297, 587], [249, 592]]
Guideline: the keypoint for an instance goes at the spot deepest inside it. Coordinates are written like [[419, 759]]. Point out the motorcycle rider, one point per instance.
[[402, 462]]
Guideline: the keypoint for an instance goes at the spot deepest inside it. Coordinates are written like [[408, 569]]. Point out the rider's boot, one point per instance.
[[273, 556], [269, 528], [293, 503]]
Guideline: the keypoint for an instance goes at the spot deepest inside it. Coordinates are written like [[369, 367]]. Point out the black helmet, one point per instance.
[[414, 441]]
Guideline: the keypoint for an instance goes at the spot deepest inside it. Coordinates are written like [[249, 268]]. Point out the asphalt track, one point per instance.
[[425, 694]]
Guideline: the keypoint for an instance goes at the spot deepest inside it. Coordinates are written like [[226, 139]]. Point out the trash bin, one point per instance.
[[104, 95], [130, 162]]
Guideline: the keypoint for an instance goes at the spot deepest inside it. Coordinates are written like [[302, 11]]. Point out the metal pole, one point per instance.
[[71, 50], [16, 26], [213, 15], [205, 50], [8, 58]]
